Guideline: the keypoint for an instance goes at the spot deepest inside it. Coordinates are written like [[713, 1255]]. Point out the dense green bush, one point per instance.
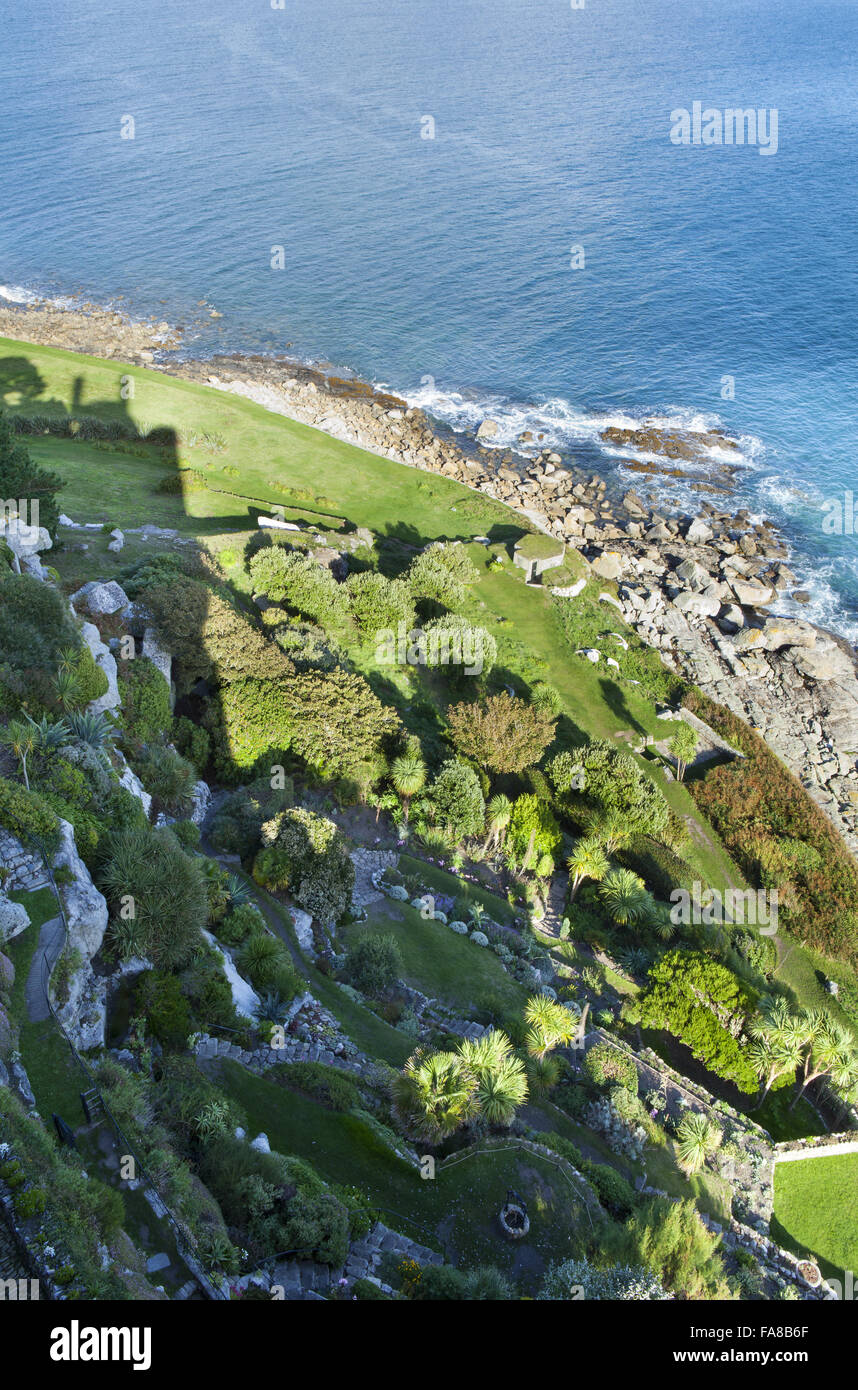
[[699, 1001], [237, 827], [378, 602], [26, 815], [604, 1065], [20, 477], [373, 964], [159, 998], [193, 742], [614, 1191], [145, 700], [456, 801], [35, 623], [293, 579], [325, 1084], [168, 777], [149, 870], [307, 855]]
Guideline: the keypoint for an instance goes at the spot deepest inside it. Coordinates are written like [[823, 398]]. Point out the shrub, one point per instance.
[[377, 602], [35, 622], [21, 477], [168, 777], [292, 578], [614, 1191], [167, 889], [457, 801], [160, 1000], [373, 964], [604, 1065], [442, 573], [193, 742], [243, 921], [307, 854], [703, 1004], [503, 733], [26, 815]]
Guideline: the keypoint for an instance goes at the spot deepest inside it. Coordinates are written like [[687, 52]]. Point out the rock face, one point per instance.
[[85, 907], [105, 659], [131, 782], [14, 919], [157, 654], [97, 597], [23, 540]]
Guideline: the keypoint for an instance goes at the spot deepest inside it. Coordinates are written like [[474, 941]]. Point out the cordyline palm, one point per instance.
[[435, 1095], [498, 816], [778, 1043], [19, 737], [610, 830], [830, 1051], [697, 1138], [500, 1075], [408, 775], [625, 896], [588, 860], [550, 1025]]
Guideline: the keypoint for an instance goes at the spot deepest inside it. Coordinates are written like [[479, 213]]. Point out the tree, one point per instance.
[[533, 833], [550, 1025], [829, 1051], [587, 860], [442, 572], [378, 602], [498, 813], [501, 1076], [19, 737], [683, 746], [373, 964], [777, 1046], [602, 780], [626, 898], [697, 1138], [457, 799], [408, 774], [307, 855], [434, 1095], [503, 732], [292, 578], [25, 481]]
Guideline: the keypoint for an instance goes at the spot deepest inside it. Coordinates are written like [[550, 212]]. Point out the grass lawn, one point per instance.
[[815, 1211], [452, 886], [55, 1079], [440, 963], [455, 1212]]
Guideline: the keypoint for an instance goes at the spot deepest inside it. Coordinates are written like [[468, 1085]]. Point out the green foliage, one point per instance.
[[532, 835], [24, 480], [237, 827], [168, 777], [160, 1000], [145, 700], [605, 1065], [290, 577], [377, 602], [373, 964], [170, 903], [600, 781], [614, 1191], [582, 622], [35, 623], [700, 1001], [325, 1084], [456, 800], [307, 855], [442, 573], [192, 741], [779, 837], [26, 815], [502, 732]]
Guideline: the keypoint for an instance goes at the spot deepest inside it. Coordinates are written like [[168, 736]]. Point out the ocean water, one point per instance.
[[444, 267]]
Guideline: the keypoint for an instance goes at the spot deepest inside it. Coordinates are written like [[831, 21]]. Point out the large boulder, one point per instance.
[[774, 634], [699, 604], [84, 1013], [97, 597], [611, 564], [825, 662], [22, 539], [86, 909], [157, 654], [7, 972], [104, 659], [14, 919], [751, 593]]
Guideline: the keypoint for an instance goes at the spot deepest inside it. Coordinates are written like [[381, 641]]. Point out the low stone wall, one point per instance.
[[817, 1146]]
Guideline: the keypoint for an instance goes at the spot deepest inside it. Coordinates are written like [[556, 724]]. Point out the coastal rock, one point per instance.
[[22, 539], [774, 634], [731, 618], [699, 604], [14, 919], [86, 909], [97, 597], [609, 565], [488, 429], [751, 594], [698, 532], [693, 575], [824, 663]]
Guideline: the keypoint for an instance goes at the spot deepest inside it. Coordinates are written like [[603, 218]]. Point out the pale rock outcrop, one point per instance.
[[14, 919], [157, 653], [86, 909], [104, 658], [97, 597], [131, 782]]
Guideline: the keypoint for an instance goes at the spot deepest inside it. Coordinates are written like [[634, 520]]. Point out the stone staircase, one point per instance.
[[303, 1280]]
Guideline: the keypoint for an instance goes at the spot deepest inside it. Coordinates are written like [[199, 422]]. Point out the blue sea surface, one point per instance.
[[444, 267]]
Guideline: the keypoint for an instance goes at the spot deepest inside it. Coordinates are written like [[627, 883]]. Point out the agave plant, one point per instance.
[[272, 1007], [94, 730], [238, 891], [49, 734]]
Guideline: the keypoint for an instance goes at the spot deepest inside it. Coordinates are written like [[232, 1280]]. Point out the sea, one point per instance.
[[534, 210]]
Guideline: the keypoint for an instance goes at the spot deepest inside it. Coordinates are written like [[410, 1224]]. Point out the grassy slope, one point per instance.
[[814, 1211], [56, 1082]]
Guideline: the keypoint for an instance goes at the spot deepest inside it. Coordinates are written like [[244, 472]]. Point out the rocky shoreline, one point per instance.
[[698, 588]]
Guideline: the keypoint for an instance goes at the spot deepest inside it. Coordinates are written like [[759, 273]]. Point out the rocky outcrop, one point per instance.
[[106, 661], [85, 908], [14, 919], [99, 597]]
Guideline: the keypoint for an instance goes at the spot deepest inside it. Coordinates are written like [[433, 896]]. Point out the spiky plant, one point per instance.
[[18, 736], [697, 1138], [49, 734], [498, 816], [625, 897], [550, 1025], [272, 1008], [94, 730], [435, 1095], [587, 860], [408, 775], [238, 891]]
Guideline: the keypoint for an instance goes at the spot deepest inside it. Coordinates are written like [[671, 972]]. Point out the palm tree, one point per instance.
[[588, 860], [498, 815], [551, 1025], [830, 1051], [610, 830], [18, 736], [435, 1094], [777, 1045], [408, 775], [697, 1138], [625, 896], [500, 1075]]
